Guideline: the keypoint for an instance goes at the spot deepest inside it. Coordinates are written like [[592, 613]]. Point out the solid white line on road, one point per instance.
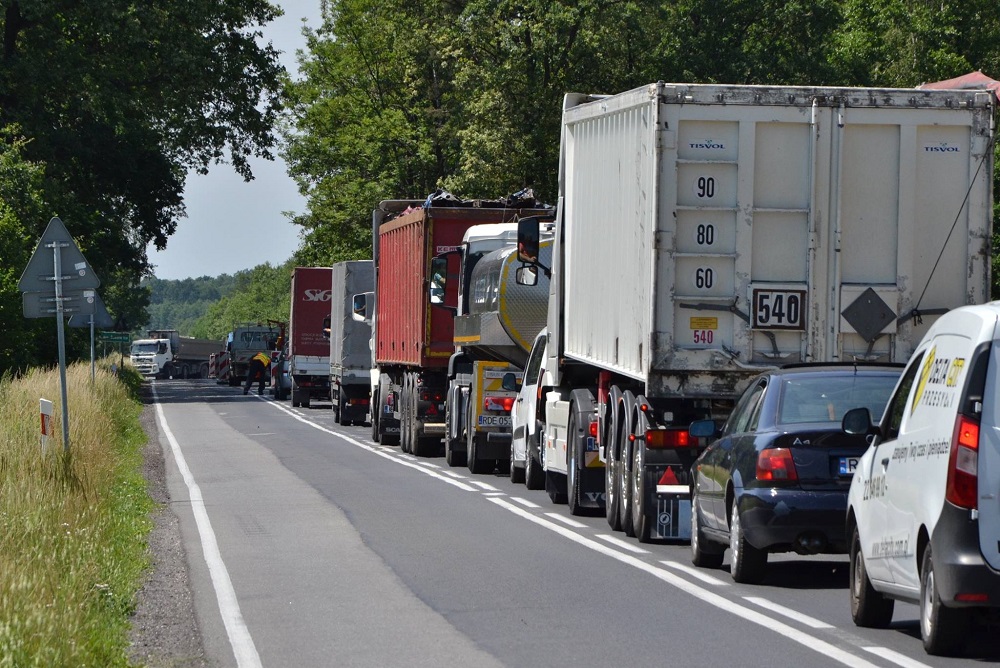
[[721, 602], [524, 502], [788, 612], [695, 573], [618, 542], [896, 657], [239, 635], [566, 520], [391, 456]]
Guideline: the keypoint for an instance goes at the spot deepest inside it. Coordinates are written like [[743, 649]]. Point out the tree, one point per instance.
[[118, 99], [260, 294]]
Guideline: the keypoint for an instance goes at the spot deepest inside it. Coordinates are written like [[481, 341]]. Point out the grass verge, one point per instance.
[[73, 526]]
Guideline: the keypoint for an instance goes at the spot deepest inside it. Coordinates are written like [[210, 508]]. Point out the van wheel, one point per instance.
[[868, 607], [749, 564], [942, 628], [534, 475], [704, 553], [516, 474]]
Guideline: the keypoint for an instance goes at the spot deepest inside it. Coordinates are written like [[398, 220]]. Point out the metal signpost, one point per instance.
[[47, 292], [99, 318]]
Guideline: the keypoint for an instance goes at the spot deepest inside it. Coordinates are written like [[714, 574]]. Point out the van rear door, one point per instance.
[[989, 461]]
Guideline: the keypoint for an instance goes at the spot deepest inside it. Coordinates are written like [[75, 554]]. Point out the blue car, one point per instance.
[[777, 475]]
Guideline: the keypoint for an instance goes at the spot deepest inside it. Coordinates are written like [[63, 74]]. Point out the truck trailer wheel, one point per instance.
[[640, 518], [572, 464], [342, 407], [622, 484]]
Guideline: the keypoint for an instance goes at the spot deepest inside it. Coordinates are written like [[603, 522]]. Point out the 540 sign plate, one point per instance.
[[777, 307]]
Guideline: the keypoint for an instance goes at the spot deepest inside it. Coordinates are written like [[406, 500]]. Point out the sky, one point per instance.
[[231, 224]]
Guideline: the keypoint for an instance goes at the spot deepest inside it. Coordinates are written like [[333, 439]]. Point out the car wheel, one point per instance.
[[516, 474], [704, 553], [868, 607], [942, 628], [534, 474], [749, 564]]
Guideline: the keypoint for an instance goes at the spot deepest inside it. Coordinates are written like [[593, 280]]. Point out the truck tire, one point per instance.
[[295, 397], [341, 405], [641, 523], [704, 553], [611, 492], [305, 399], [477, 465], [942, 629], [622, 483], [749, 564], [404, 415], [869, 608], [572, 472]]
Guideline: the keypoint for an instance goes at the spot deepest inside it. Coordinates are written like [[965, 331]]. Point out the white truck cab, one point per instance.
[[923, 513]]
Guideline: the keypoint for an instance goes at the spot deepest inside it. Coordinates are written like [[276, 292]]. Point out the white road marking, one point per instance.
[[497, 493], [695, 573], [239, 635], [459, 476], [389, 455], [565, 520], [483, 485], [618, 542], [788, 612], [524, 502], [896, 657], [750, 615]]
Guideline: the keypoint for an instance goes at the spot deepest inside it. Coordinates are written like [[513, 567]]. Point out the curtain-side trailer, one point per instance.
[[707, 232]]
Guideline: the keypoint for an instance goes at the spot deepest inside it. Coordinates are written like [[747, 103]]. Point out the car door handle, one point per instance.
[[885, 463]]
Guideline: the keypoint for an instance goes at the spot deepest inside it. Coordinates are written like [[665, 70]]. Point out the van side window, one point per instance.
[[897, 405], [534, 362]]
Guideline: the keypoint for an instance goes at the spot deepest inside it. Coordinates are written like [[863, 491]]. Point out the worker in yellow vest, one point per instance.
[[259, 364]]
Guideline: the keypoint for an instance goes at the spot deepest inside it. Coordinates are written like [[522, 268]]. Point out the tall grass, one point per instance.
[[72, 526]]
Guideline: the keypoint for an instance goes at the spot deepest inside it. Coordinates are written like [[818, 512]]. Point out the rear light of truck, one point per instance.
[[668, 438], [498, 404], [593, 428], [431, 395], [963, 464], [776, 465]]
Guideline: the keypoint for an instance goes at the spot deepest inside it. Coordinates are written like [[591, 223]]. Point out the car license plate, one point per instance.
[[847, 465]]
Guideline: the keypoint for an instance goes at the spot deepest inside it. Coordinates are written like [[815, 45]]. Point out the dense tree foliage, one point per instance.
[[258, 295], [180, 304], [114, 101], [109, 102]]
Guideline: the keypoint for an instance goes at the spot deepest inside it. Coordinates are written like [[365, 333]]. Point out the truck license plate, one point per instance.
[[494, 421]]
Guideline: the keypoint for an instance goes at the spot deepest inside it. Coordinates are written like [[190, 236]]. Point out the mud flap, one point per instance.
[[672, 504]]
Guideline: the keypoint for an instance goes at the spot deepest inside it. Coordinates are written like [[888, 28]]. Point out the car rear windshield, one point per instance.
[[826, 397]]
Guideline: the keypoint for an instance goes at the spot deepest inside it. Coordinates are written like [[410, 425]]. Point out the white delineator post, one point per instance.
[[45, 410]]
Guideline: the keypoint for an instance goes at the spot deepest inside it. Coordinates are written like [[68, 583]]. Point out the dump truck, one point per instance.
[[308, 346], [349, 342], [164, 353], [413, 339], [707, 232]]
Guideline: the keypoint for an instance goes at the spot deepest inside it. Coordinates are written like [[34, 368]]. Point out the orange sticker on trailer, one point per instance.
[[704, 323]]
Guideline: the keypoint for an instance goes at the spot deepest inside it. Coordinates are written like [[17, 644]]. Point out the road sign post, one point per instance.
[[42, 283]]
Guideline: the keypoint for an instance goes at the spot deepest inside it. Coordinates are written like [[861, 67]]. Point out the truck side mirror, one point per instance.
[[361, 307], [527, 240], [526, 275], [509, 383], [439, 278]]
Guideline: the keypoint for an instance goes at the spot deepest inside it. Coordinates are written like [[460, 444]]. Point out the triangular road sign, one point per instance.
[[102, 319], [39, 275]]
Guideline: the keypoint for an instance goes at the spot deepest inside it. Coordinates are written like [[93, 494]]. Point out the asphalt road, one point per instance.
[[309, 545]]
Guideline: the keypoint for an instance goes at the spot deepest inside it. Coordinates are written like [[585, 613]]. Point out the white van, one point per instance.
[[923, 514]]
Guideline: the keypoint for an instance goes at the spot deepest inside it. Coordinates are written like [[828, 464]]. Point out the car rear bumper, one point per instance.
[[808, 522], [959, 567]]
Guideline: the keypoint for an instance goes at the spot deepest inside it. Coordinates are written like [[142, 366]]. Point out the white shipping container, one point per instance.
[[712, 230]]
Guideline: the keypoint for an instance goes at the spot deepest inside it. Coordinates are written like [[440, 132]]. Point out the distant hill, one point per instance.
[[179, 304]]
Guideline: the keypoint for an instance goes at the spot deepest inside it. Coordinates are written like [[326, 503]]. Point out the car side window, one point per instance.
[[534, 362], [743, 412], [751, 411], [896, 407]]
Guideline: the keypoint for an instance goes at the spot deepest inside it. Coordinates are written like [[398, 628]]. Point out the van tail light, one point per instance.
[[963, 464], [776, 465]]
